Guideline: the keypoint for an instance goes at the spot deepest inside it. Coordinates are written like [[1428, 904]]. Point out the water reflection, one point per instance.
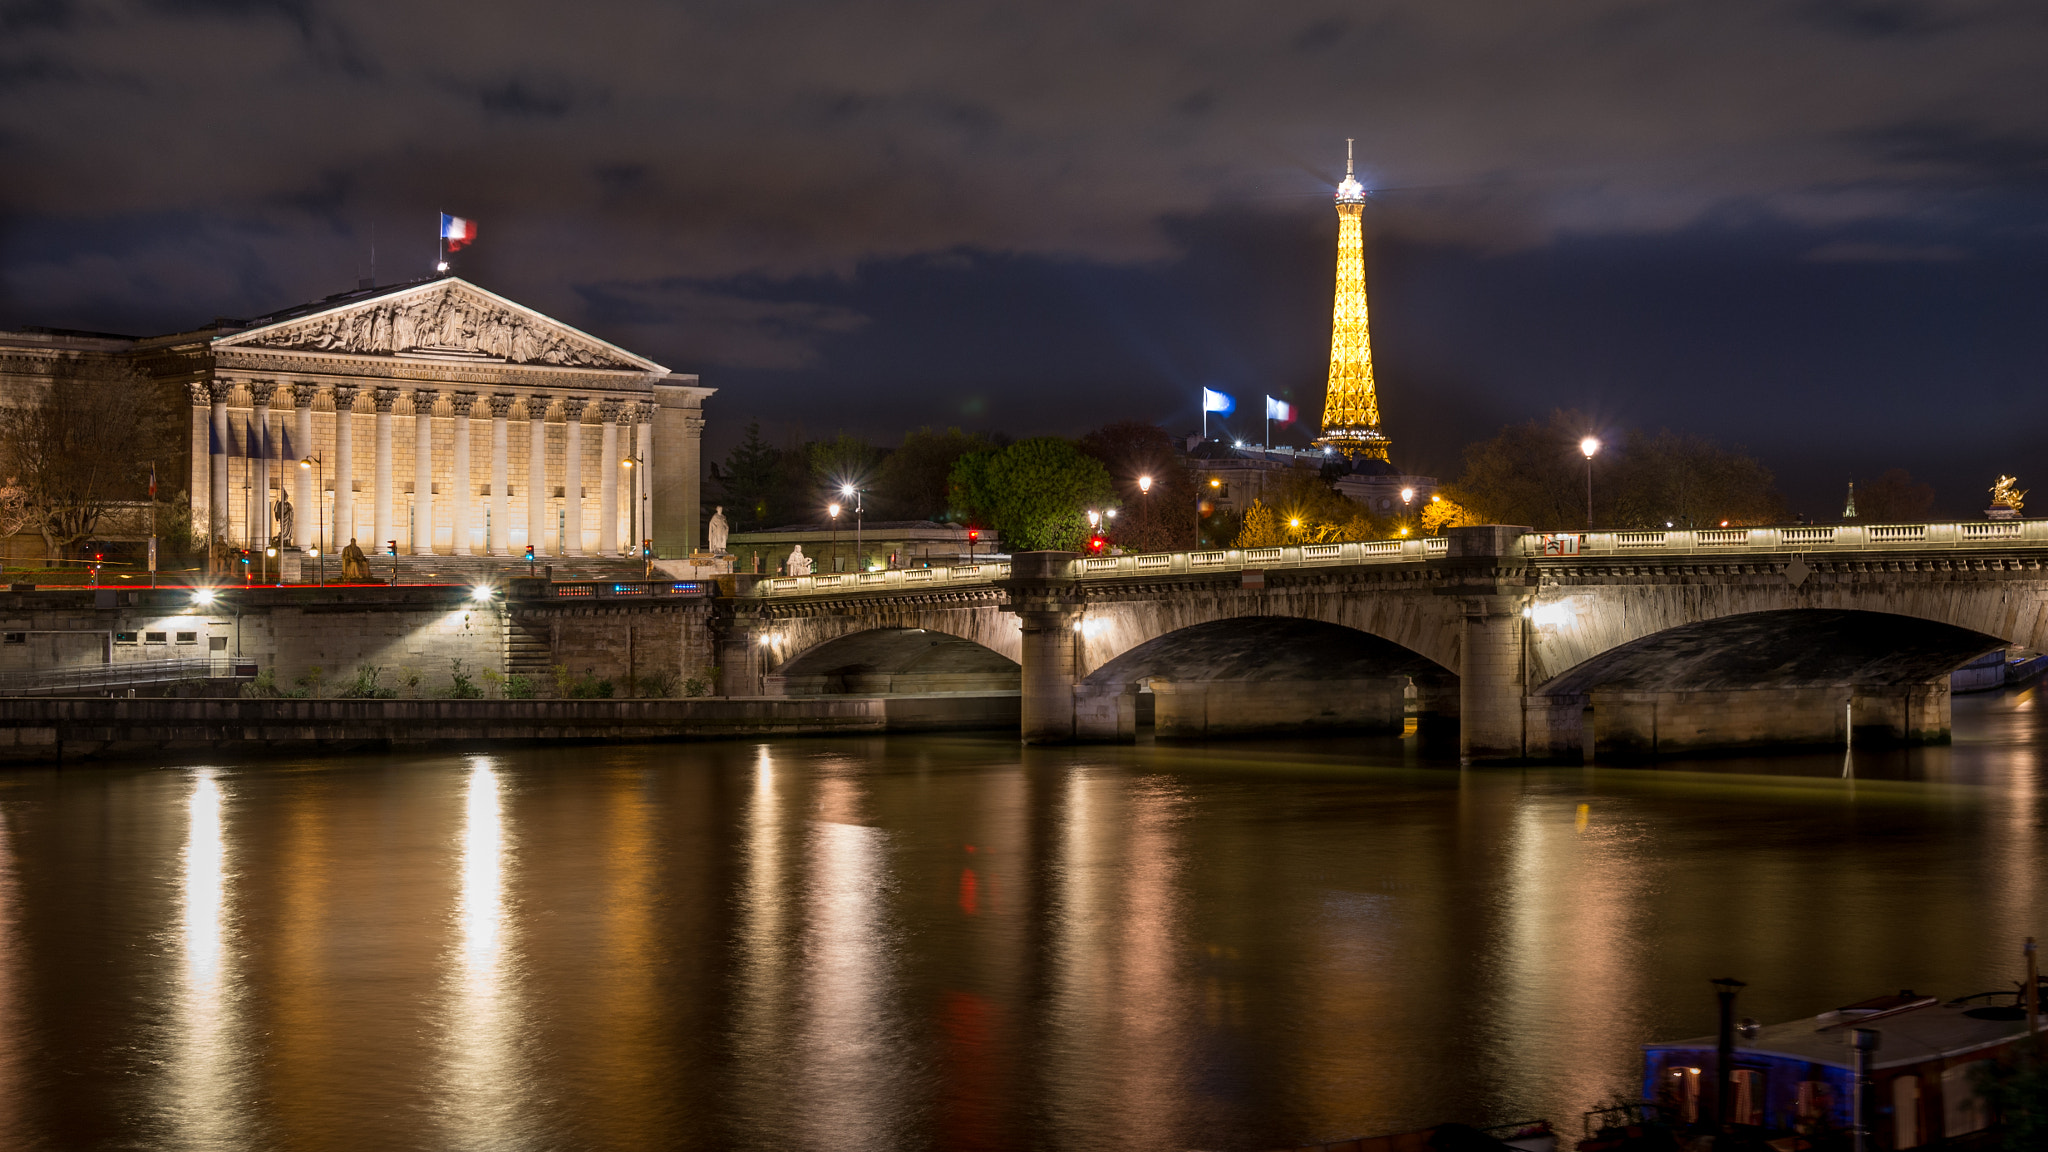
[[851, 1077], [201, 1098], [760, 1008], [484, 1084], [13, 1079]]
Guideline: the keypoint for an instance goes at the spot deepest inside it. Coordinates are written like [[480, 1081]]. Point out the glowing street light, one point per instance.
[[1589, 446], [317, 466], [203, 597], [1145, 485]]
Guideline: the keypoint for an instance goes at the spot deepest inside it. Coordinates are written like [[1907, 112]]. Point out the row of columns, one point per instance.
[[463, 405]]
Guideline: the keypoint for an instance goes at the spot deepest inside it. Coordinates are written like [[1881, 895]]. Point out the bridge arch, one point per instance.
[[1240, 675], [1797, 675], [895, 660]]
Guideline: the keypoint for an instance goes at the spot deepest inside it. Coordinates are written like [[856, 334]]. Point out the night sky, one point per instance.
[[1815, 229]]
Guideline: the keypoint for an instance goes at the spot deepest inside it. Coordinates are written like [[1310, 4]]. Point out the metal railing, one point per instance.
[[614, 589], [1988, 534], [120, 674], [885, 580]]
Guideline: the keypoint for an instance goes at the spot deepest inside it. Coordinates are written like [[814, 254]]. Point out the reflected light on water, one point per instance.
[[202, 1098], [763, 961], [852, 1078], [484, 1085]]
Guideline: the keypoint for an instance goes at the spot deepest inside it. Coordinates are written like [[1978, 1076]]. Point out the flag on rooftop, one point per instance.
[[1214, 401], [1279, 410], [457, 231]]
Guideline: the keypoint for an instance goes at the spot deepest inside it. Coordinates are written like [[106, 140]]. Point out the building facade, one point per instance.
[[434, 417]]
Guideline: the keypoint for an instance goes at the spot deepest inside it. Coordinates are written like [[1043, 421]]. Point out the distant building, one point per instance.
[[883, 544], [1232, 477]]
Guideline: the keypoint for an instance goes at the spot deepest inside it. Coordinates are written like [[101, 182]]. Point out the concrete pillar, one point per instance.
[[499, 539], [380, 524], [741, 651], [677, 466], [463, 492], [1901, 713], [1046, 598], [199, 456], [342, 469], [1482, 567], [262, 446], [422, 541], [537, 474], [608, 480], [217, 398], [643, 477], [572, 475], [306, 504]]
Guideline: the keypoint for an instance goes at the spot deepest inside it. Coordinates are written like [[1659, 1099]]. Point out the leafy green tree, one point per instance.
[[1530, 473], [913, 482], [1159, 520], [752, 482], [1037, 492], [1687, 482]]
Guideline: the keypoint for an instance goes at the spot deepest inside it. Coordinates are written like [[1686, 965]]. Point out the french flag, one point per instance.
[[457, 231], [1279, 410]]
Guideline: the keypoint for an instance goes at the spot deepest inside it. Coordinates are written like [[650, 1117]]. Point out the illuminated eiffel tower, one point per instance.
[[1351, 409]]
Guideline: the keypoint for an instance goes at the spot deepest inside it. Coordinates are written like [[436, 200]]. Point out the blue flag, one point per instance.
[[1214, 401]]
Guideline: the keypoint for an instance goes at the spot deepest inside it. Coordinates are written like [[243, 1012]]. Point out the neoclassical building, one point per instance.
[[440, 418]]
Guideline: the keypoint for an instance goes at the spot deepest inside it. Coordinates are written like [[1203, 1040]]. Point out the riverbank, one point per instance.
[[42, 730]]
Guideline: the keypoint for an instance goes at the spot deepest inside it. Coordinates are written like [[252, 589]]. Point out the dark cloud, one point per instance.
[[930, 197]]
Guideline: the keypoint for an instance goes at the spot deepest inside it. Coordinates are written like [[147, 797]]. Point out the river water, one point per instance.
[[951, 942]]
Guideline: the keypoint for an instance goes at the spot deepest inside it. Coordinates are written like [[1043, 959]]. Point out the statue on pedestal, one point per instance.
[[799, 564], [355, 567], [716, 532], [285, 520], [2003, 496]]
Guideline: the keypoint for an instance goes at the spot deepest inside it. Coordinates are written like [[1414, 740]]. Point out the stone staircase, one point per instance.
[[527, 648]]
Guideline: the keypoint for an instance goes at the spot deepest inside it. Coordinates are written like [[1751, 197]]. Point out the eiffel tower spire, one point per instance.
[[1351, 408]]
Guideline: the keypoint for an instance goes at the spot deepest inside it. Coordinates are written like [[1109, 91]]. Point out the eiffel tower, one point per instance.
[[1351, 409]]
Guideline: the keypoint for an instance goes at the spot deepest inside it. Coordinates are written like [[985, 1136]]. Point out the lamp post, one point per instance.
[[1589, 446], [633, 506], [859, 509], [319, 470], [832, 510]]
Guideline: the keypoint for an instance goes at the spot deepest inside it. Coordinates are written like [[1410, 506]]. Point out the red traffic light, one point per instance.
[[973, 535], [1095, 543]]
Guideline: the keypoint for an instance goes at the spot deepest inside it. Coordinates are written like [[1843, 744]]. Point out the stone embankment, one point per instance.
[[64, 729]]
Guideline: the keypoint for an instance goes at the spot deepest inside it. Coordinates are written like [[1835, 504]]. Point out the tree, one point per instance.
[[1894, 498], [1308, 510], [751, 481], [1159, 520], [1261, 529], [84, 444], [1445, 512], [1686, 482], [841, 461], [913, 482], [1530, 473], [1037, 492]]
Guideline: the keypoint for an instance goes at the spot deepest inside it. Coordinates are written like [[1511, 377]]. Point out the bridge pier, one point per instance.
[[741, 667], [1494, 677], [1046, 599]]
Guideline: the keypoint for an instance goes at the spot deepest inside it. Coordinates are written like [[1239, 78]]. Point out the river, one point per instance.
[[951, 942]]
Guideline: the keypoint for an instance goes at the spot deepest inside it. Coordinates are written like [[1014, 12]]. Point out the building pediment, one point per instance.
[[448, 320]]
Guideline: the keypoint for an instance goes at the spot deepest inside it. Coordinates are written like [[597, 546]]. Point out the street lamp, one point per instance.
[[859, 508], [832, 510], [1145, 485], [1589, 446], [319, 469], [633, 506]]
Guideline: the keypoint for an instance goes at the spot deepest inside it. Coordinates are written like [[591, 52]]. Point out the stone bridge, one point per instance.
[[1530, 646]]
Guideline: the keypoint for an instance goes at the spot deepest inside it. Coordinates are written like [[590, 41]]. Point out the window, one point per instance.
[[217, 643], [1962, 1110], [188, 637], [17, 637], [125, 637], [1749, 1096], [155, 637], [1812, 1104], [1906, 1112], [1680, 1093]]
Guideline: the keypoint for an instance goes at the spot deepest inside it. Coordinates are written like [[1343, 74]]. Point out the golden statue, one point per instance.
[[2003, 496]]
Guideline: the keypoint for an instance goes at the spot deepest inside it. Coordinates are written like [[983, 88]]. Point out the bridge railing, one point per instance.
[[886, 580], [1986, 534], [1241, 559]]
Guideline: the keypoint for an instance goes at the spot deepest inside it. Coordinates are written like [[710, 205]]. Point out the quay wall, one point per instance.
[[71, 728]]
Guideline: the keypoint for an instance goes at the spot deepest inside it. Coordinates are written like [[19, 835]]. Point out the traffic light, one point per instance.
[[1096, 542], [973, 535], [529, 553]]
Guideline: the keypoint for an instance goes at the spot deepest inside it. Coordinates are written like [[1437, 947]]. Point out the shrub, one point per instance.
[[696, 686], [310, 682], [263, 687], [658, 684], [518, 687], [364, 686], [461, 686]]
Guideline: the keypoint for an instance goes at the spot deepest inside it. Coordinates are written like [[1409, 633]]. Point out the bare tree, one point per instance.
[[82, 446]]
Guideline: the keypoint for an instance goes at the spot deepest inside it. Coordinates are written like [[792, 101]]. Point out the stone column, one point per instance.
[[223, 503], [678, 436], [537, 474], [608, 481], [643, 478], [380, 525], [342, 469], [572, 476], [260, 449], [1047, 601], [458, 469], [306, 510], [1492, 585], [500, 541], [423, 470]]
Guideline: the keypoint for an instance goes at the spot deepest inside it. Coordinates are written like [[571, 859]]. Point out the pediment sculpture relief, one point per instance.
[[447, 321]]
